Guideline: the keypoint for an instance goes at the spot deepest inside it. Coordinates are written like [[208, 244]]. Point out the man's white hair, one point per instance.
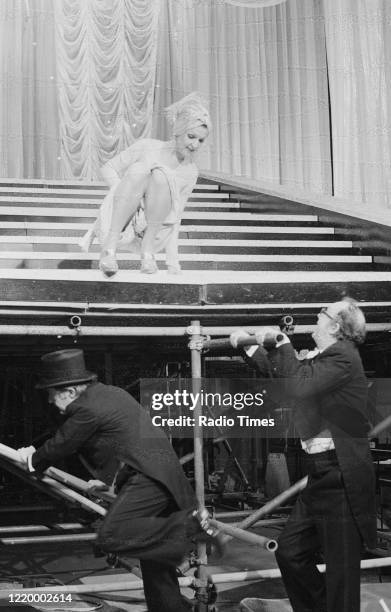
[[351, 321]]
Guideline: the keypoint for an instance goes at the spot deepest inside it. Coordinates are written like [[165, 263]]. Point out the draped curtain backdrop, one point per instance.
[[78, 79], [358, 35], [106, 61], [264, 73], [29, 120]]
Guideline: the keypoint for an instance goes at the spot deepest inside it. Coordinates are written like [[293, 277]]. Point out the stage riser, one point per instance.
[[148, 293]]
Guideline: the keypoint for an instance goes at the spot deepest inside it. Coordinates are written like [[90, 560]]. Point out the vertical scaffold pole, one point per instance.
[[202, 582]]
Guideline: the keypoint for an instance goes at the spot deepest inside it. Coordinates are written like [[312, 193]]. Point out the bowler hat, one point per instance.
[[63, 368]]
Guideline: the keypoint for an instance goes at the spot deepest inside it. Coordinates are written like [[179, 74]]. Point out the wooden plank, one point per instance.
[[330, 287], [215, 288], [97, 288]]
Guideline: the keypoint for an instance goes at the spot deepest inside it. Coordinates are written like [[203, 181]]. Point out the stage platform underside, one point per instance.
[[202, 288]]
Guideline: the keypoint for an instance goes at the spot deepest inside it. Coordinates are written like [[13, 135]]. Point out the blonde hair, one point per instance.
[[189, 112]]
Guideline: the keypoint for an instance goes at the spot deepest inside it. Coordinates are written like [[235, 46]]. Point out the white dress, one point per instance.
[[148, 153]]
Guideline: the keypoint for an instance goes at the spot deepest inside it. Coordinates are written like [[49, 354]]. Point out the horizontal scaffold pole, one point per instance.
[[245, 536], [118, 331], [136, 585]]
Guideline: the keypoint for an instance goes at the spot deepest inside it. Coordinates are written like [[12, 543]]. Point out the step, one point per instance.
[[204, 277], [94, 206], [46, 198], [194, 264], [70, 212], [90, 191], [191, 247], [74, 240], [233, 229], [82, 183], [66, 255]]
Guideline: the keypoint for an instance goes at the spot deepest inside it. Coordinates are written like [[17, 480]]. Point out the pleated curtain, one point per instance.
[[78, 81], [106, 59], [29, 119], [264, 73], [358, 35]]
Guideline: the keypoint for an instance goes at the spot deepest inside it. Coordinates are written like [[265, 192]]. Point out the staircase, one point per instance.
[[237, 252]]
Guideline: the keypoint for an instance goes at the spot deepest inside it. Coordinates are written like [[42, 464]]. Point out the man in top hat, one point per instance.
[[153, 516], [335, 513]]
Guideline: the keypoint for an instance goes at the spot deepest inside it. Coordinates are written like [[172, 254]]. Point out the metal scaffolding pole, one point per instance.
[[158, 331], [135, 585], [195, 335]]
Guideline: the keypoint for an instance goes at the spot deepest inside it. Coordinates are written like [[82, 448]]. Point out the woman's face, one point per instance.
[[189, 142]]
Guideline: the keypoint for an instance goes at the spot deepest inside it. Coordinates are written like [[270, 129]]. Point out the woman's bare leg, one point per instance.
[[126, 200], [157, 208]]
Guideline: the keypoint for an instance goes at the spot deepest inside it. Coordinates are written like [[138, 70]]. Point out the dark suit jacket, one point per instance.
[[331, 392], [108, 426]]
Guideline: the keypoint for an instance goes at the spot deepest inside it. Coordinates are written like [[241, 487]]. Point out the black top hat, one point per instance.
[[63, 368]]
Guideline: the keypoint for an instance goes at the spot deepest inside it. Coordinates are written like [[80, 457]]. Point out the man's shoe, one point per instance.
[[108, 263]]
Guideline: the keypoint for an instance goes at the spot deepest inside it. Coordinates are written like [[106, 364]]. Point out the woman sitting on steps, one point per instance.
[[150, 183]]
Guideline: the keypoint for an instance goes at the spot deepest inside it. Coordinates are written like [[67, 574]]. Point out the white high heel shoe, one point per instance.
[[174, 269], [108, 263], [148, 264]]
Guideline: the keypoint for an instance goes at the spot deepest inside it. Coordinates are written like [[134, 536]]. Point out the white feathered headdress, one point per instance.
[[191, 111]]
